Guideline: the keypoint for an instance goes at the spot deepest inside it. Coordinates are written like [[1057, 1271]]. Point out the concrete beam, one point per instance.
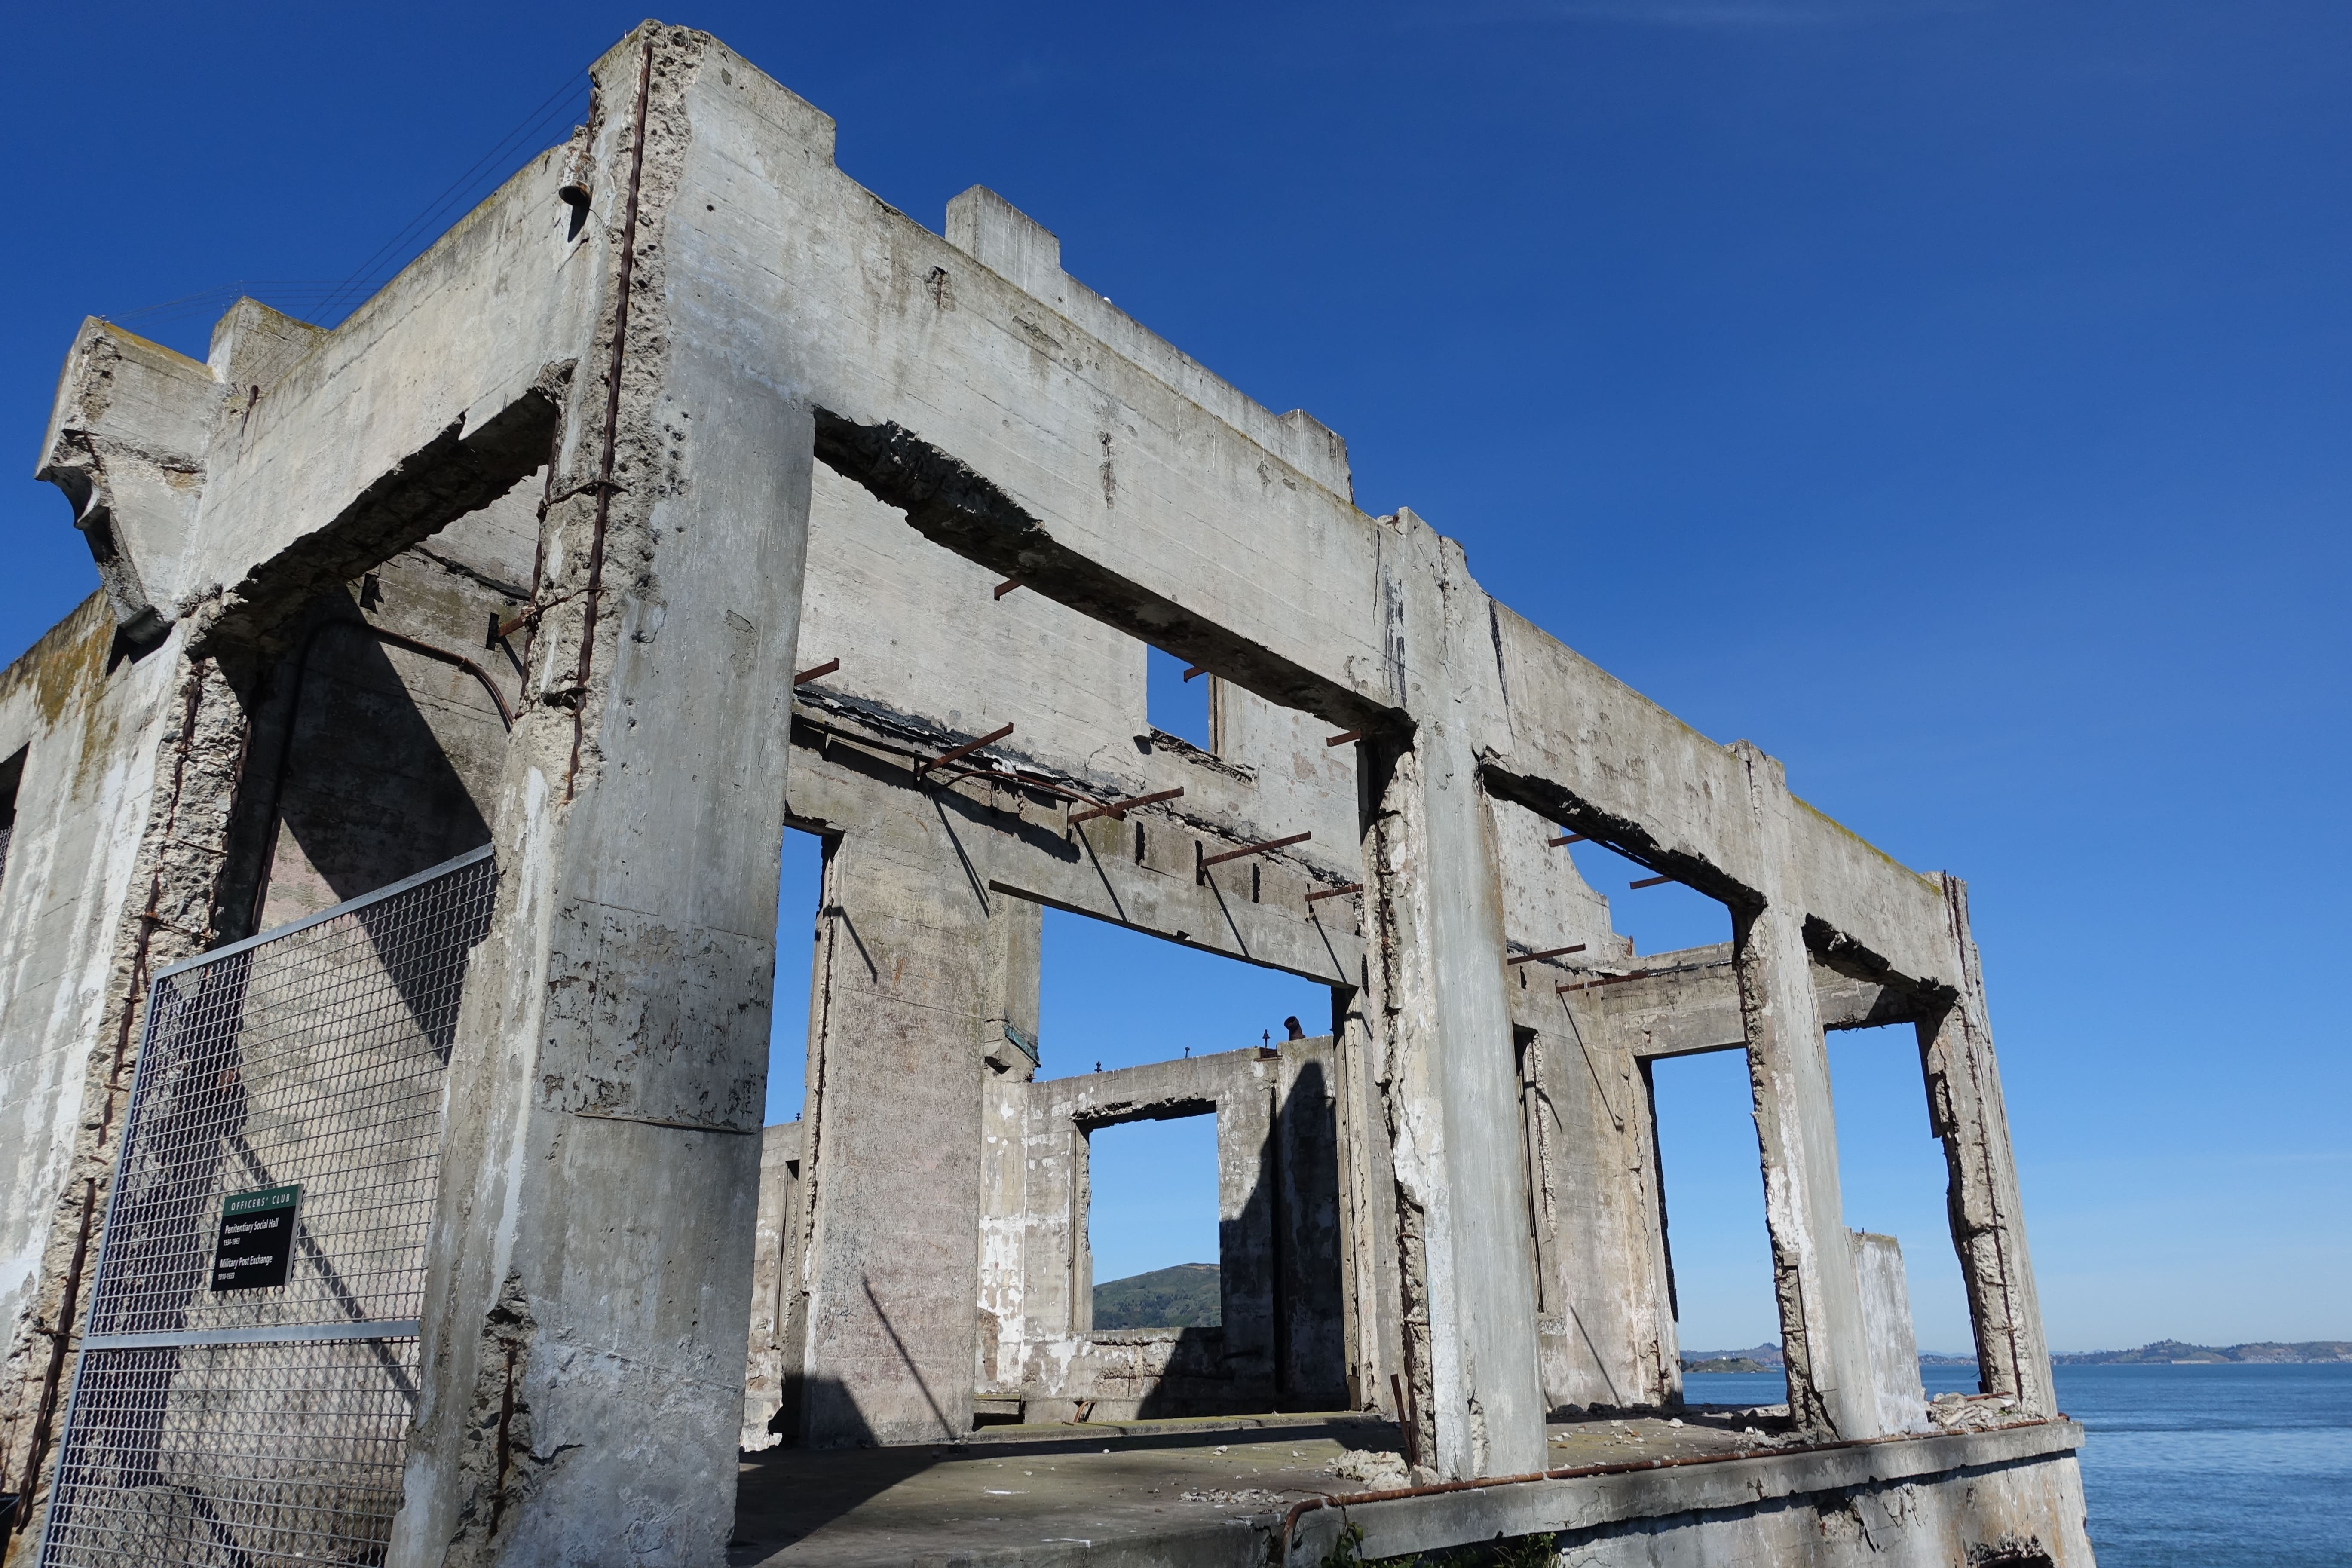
[[1689, 1003]]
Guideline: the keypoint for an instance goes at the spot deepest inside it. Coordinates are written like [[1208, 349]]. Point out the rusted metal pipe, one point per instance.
[[398, 639], [1119, 808], [1271, 844], [1008, 585], [1335, 892], [1547, 953], [1564, 840], [805, 676], [1649, 881], [1345, 738], [1192, 670]]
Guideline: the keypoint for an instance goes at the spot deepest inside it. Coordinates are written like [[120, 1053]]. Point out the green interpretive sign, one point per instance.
[[257, 1238]]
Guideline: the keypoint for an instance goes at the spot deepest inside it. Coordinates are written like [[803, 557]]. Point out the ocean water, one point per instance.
[[2186, 1467]]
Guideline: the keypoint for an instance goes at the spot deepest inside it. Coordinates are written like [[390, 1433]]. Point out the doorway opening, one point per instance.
[[800, 893], [1719, 1255], [1892, 1181], [1152, 1224]]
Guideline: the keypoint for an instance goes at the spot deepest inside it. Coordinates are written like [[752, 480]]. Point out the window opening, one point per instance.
[[12, 774], [1728, 1319], [1664, 917], [1178, 1207], [1892, 1181], [1123, 998], [1175, 706], [1152, 1224]]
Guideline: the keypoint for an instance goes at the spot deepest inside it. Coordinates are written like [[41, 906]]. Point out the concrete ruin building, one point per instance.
[[388, 930]]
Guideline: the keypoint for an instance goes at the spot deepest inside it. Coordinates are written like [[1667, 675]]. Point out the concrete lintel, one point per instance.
[[459, 470], [1690, 1005]]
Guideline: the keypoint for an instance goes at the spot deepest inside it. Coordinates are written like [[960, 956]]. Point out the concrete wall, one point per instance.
[[1281, 1341]]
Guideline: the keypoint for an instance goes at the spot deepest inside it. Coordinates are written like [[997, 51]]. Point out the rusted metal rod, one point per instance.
[[967, 749], [1192, 670], [805, 676], [1119, 807], [1345, 738], [1606, 980], [1547, 953], [1649, 881], [1008, 585], [1335, 892], [1564, 840], [1271, 844]]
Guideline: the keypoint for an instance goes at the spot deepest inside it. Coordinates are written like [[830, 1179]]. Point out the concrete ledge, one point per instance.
[[1401, 1525], [1342, 1423]]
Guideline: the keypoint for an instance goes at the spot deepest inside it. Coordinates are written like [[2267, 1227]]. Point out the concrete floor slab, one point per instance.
[[1204, 1492]]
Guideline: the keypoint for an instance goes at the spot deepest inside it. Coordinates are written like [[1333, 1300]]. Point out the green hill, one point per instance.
[[1184, 1297]]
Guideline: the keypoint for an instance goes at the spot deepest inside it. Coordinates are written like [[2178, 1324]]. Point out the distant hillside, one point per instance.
[[1184, 1297], [1765, 1357], [2166, 1352]]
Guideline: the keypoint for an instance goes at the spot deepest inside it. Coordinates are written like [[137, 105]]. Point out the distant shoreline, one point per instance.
[[1767, 1357]]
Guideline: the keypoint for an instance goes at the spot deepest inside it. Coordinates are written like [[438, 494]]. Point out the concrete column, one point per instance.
[[893, 1162], [1309, 1332], [1451, 1100], [771, 1360], [1245, 1234], [1368, 1220], [589, 1273], [1821, 1330], [1966, 1107], [1607, 1326]]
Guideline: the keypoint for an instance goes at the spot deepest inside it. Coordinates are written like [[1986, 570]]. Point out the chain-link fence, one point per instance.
[[249, 1368]]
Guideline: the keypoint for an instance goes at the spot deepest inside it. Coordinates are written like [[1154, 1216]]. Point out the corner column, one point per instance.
[[589, 1270], [1822, 1332], [1966, 1107]]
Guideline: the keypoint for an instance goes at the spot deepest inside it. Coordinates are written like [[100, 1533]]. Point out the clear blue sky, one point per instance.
[[1950, 398]]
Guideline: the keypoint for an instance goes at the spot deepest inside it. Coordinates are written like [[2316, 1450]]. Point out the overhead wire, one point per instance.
[[326, 302]]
